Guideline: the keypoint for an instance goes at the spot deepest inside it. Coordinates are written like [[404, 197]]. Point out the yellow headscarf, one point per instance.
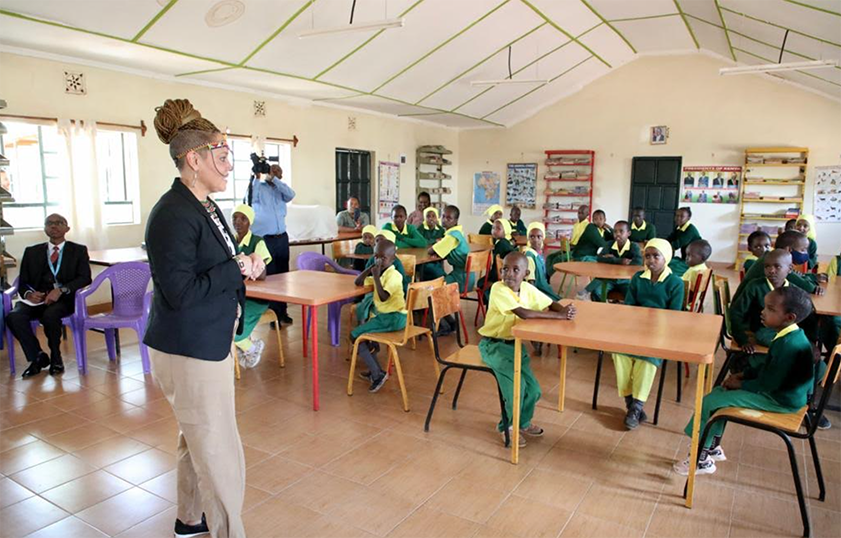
[[388, 234], [370, 229], [433, 210], [665, 249], [506, 226], [245, 210], [493, 209], [811, 220], [539, 225]]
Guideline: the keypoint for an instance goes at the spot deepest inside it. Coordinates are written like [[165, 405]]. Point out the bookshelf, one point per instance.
[[430, 175], [772, 192], [6, 259], [569, 183]]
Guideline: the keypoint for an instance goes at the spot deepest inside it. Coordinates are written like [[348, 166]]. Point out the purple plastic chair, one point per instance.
[[130, 309], [8, 295], [313, 261]]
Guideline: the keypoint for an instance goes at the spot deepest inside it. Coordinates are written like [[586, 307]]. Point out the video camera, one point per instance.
[[261, 163]]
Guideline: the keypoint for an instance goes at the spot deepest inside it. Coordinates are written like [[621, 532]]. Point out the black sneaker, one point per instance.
[[824, 423], [377, 384], [633, 417], [286, 319], [629, 400], [365, 375], [183, 530]]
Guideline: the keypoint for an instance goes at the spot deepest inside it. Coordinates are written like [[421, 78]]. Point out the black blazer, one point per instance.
[[74, 273], [197, 282]]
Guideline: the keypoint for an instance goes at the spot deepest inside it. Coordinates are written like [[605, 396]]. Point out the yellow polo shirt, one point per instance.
[[578, 229], [447, 243], [691, 274], [501, 318], [392, 282], [623, 250]]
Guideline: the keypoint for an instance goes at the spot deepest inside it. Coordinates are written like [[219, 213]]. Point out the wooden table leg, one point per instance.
[[696, 434], [563, 378], [515, 420], [305, 327], [314, 334]]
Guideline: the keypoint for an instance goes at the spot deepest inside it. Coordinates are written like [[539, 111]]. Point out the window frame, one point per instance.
[[131, 185]]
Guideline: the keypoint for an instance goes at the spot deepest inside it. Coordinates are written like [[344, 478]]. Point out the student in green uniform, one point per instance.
[[832, 268], [518, 227], [759, 243], [364, 247], [797, 244], [641, 231], [389, 313], [780, 385], [537, 267], [595, 237], [697, 254], [453, 248], [577, 230], [431, 229], [503, 244], [622, 251], [684, 233], [655, 287], [406, 235], [249, 352], [364, 306], [495, 212], [806, 226], [511, 298]]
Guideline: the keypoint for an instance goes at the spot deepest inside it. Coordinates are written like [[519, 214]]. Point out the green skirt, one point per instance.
[[381, 323], [254, 310]]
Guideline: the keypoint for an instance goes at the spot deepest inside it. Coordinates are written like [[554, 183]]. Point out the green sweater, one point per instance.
[[667, 295], [788, 374], [590, 242], [486, 228], [410, 237], [540, 280], [681, 239], [362, 248], [643, 236], [813, 254], [431, 235], [745, 313], [501, 249], [633, 253], [518, 227], [807, 283]]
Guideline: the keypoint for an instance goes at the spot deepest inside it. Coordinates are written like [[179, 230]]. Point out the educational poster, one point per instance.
[[711, 184], [485, 191], [389, 188], [828, 193], [521, 185]]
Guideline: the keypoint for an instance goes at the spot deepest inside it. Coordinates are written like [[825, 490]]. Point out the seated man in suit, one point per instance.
[[50, 274]]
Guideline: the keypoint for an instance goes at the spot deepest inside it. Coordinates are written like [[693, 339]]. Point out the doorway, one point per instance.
[[353, 178], [655, 186]]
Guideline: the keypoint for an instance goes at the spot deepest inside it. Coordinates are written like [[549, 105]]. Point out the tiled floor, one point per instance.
[[92, 456]]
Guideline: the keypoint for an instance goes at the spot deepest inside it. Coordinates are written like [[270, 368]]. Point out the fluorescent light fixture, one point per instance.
[[776, 68], [505, 81], [358, 27]]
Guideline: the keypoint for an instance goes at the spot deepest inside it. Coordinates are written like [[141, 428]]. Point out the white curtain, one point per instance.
[[83, 191]]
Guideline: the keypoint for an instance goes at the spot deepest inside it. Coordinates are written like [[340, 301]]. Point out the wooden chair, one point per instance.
[[443, 302], [342, 249], [268, 316], [480, 291], [419, 293], [484, 240], [721, 304], [742, 273], [567, 257], [786, 426], [478, 264]]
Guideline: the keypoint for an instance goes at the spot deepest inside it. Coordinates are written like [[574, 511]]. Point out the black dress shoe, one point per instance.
[[35, 366], [56, 367], [182, 530], [286, 319]]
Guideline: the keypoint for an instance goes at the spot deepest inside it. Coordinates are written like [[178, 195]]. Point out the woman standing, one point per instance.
[[198, 297]]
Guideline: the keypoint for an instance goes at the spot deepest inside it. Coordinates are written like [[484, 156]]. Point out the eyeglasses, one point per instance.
[[219, 145]]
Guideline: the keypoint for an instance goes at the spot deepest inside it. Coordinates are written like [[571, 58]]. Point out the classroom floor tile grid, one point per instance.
[[93, 456]]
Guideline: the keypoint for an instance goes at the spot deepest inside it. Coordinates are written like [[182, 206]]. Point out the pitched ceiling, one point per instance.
[[424, 69]]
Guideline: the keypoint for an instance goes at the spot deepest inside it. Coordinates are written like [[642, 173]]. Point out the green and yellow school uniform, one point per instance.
[[362, 249], [408, 237], [745, 313], [635, 374], [431, 270], [578, 229], [431, 235], [691, 275], [537, 272], [254, 308], [592, 240], [453, 248], [807, 283], [643, 233], [750, 259], [365, 306], [813, 254], [832, 269], [518, 227], [486, 228], [680, 239], [497, 347], [781, 385], [629, 251], [387, 315]]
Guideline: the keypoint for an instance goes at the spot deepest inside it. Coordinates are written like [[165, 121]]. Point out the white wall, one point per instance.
[[712, 120]]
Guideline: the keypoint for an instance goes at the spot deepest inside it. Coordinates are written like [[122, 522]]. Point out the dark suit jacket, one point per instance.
[[197, 283], [74, 273]]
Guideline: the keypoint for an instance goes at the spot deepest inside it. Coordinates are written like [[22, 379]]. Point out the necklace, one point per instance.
[[208, 206]]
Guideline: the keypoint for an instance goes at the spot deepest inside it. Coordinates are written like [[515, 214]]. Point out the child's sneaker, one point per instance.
[[377, 384], [522, 440], [705, 466], [253, 355], [366, 376], [824, 423], [717, 454], [583, 295], [532, 431]]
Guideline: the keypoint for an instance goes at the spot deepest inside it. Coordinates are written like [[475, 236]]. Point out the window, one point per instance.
[[241, 176], [116, 155], [36, 176]]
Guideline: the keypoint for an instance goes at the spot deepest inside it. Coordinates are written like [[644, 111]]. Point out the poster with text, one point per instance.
[[485, 191], [389, 188], [828, 193], [711, 184], [521, 185]]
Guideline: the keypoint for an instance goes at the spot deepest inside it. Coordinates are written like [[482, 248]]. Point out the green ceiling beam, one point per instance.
[[770, 61], [617, 32], [364, 43], [155, 19], [699, 19], [686, 22], [554, 25], [439, 47], [277, 32], [485, 59], [551, 80], [203, 71], [726, 33], [816, 8], [781, 27], [645, 18]]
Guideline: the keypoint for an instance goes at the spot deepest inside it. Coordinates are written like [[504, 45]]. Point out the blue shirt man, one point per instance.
[[269, 199]]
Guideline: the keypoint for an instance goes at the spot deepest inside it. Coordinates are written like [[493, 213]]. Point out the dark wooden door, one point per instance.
[[655, 186], [353, 178]]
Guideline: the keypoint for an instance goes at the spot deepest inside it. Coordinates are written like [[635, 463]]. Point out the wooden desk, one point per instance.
[[113, 256], [310, 289], [341, 237], [829, 304], [605, 271], [667, 334], [421, 254]]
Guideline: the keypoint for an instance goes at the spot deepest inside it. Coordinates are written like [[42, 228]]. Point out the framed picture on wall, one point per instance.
[[659, 134], [521, 185]]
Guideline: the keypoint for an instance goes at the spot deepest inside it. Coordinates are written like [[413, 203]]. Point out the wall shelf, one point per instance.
[[429, 173], [581, 163]]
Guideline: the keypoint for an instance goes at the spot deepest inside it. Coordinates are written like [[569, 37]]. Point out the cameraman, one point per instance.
[[269, 196]]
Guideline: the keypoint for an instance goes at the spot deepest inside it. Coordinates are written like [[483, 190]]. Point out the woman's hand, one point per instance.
[[244, 265], [257, 266]]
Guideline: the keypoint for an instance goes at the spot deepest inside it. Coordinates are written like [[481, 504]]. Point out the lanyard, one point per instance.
[[57, 268]]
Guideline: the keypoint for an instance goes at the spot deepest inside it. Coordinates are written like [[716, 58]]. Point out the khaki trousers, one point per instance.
[[210, 460]]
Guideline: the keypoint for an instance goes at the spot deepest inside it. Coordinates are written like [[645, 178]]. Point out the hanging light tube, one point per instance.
[[358, 27], [504, 81], [776, 68]]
